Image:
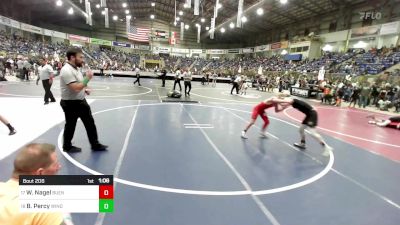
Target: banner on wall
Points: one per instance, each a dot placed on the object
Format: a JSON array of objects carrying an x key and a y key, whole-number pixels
[
  {"x": 31, "y": 28},
  {"x": 365, "y": 31},
  {"x": 216, "y": 51},
  {"x": 284, "y": 44},
  {"x": 74, "y": 37},
  {"x": 53, "y": 33},
  {"x": 300, "y": 44},
  {"x": 160, "y": 34},
  {"x": 164, "y": 50},
  {"x": 180, "y": 50},
  {"x": 121, "y": 44},
  {"x": 9, "y": 22},
  {"x": 390, "y": 28},
  {"x": 196, "y": 51},
  {"x": 233, "y": 51},
  {"x": 247, "y": 50},
  {"x": 144, "y": 47},
  {"x": 59, "y": 34},
  {"x": 261, "y": 48},
  {"x": 276, "y": 45},
  {"x": 100, "y": 42}
]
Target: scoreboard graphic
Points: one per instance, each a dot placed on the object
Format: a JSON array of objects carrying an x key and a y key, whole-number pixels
[{"x": 67, "y": 193}]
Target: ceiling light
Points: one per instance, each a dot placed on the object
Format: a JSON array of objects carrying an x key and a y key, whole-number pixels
[
  {"x": 283, "y": 1},
  {"x": 59, "y": 3},
  {"x": 175, "y": 23},
  {"x": 197, "y": 24},
  {"x": 98, "y": 6},
  {"x": 232, "y": 25},
  {"x": 177, "y": 18},
  {"x": 207, "y": 28},
  {"x": 103, "y": 12},
  {"x": 244, "y": 19},
  {"x": 180, "y": 13},
  {"x": 186, "y": 27},
  {"x": 129, "y": 17},
  {"x": 124, "y": 5},
  {"x": 222, "y": 30},
  {"x": 70, "y": 11},
  {"x": 115, "y": 17},
  {"x": 185, "y": 5},
  {"x": 153, "y": 4},
  {"x": 260, "y": 11},
  {"x": 219, "y": 6},
  {"x": 127, "y": 11},
  {"x": 203, "y": 20},
  {"x": 151, "y": 16},
  {"x": 91, "y": 13}
]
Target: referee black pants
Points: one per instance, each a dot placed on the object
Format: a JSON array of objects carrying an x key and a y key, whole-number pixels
[
  {"x": 188, "y": 84},
  {"x": 178, "y": 81},
  {"x": 48, "y": 94},
  {"x": 235, "y": 86},
  {"x": 137, "y": 80},
  {"x": 74, "y": 109}
]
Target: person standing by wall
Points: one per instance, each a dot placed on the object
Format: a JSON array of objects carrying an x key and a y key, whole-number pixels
[
  {"x": 178, "y": 79},
  {"x": 73, "y": 102},
  {"x": 163, "y": 76},
  {"x": 46, "y": 75},
  {"x": 137, "y": 73},
  {"x": 187, "y": 78},
  {"x": 364, "y": 95}
]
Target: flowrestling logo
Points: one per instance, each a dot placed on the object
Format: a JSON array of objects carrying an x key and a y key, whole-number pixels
[{"x": 370, "y": 15}]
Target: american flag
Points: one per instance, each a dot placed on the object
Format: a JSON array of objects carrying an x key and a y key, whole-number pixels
[{"x": 138, "y": 34}]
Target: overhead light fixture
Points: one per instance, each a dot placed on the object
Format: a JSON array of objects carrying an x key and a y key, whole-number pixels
[
  {"x": 151, "y": 16},
  {"x": 197, "y": 25},
  {"x": 70, "y": 11},
  {"x": 91, "y": 13},
  {"x": 177, "y": 18},
  {"x": 203, "y": 20},
  {"x": 153, "y": 4},
  {"x": 129, "y": 17},
  {"x": 232, "y": 25},
  {"x": 283, "y": 1},
  {"x": 103, "y": 12},
  {"x": 219, "y": 6},
  {"x": 185, "y": 5},
  {"x": 207, "y": 28},
  {"x": 98, "y": 6},
  {"x": 222, "y": 30},
  {"x": 260, "y": 11},
  {"x": 124, "y": 5},
  {"x": 115, "y": 17},
  {"x": 127, "y": 11},
  {"x": 244, "y": 19},
  {"x": 175, "y": 23},
  {"x": 59, "y": 3},
  {"x": 186, "y": 27},
  {"x": 180, "y": 13}
]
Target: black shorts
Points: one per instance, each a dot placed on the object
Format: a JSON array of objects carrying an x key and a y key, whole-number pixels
[
  {"x": 311, "y": 119},
  {"x": 395, "y": 119}
]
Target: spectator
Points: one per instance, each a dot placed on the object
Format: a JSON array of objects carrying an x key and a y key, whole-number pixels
[{"x": 33, "y": 159}]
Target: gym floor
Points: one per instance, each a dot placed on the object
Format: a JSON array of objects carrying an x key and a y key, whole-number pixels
[{"x": 178, "y": 163}]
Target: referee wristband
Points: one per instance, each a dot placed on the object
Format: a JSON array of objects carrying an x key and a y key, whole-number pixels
[{"x": 85, "y": 81}]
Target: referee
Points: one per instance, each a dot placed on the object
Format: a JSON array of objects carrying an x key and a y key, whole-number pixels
[
  {"x": 73, "y": 102},
  {"x": 46, "y": 75}
]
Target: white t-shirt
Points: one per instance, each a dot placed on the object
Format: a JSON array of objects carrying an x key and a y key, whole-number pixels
[
  {"x": 178, "y": 74},
  {"x": 45, "y": 72},
  {"x": 238, "y": 79}
]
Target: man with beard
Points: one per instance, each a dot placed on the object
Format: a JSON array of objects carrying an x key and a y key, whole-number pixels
[{"x": 73, "y": 102}]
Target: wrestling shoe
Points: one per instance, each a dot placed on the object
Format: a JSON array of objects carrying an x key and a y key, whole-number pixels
[
  {"x": 300, "y": 145},
  {"x": 244, "y": 136}
]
